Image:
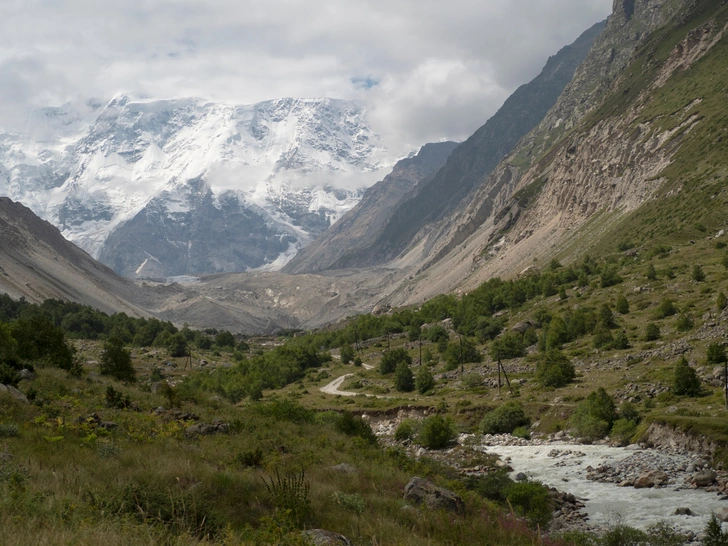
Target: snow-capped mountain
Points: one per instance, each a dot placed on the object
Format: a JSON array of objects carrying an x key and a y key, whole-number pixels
[{"x": 169, "y": 187}]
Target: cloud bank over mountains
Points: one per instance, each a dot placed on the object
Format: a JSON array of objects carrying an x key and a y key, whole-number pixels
[{"x": 426, "y": 71}]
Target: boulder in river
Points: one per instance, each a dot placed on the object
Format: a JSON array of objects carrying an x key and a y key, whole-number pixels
[
  {"x": 704, "y": 478},
  {"x": 683, "y": 511},
  {"x": 419, "y": 491}
]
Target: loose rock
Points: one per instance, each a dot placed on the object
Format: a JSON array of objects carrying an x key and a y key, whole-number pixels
[{"x": 419, "y": 491}]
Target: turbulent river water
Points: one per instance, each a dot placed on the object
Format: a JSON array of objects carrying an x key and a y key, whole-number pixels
[{"x": 607, "y": 503}]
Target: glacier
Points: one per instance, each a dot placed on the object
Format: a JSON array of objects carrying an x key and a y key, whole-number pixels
[{"x": 192, "y": 186}]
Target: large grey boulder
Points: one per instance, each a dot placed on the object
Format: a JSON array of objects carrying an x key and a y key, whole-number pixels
[
  {"x": 704, "y": 478},
  {"x": 419, "y": 491},
  {"x": 13, "y": 392},
  {"x": 321, "y": 537}
]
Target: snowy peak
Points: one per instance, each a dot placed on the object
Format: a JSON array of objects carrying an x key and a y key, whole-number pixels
[{"x": 295, "y": 165}]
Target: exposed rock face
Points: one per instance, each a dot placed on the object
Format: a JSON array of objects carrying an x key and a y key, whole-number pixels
[
  {"x": 586, "y": 157},
  {"x": 471, "y": 162},
  {"x": 358, "y": 229},
  {"x": 666, "y": 436},
  {"x": 419, "y": 491},
  {"x": 37, "y": 263}
]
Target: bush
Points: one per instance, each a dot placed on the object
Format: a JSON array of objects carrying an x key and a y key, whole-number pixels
[
  {"x": 424, "y": 380},
  {"x": 406, "y": 430},
  {"x": 436, "y": 432},
  {"x": 593, "y": 418},
  {"x": 652, "y": 332},
  {"x": 507, "y": 345},
  {"x": 721, "y": 301},
  {"x": 391, "y": 358},
  {"x": 116, "y": 361},
  {"x": 716, "y": 354},
  {"x": 177, "y": 345},
  {"x": 685, "y": 381},
  {"x": 290, "y": 494},
  {"x": 622, "y": 431},
  {"x": 354, "y": 425},
  {"x": 684, "y": 323},
  {"x": 436, "y": 333},
  {"x": 714, "y": 534},
  {"x": 621, "y": 341},
  {"x": 404, "y": 381},
  {"x": 463, "y": 350},
  {"x": 554, "y": 369},
  {"x": 650, "y": 273},
  {"x": 665, "y": 309},
  {"x": 531, "y": 500},
  {"x": 698, "y": 274},
  {"x": 602, "y": 337},
  {"x": 622, "y": 305},
  {"x": 504, "y": 419},
  {"x": 609, "y": 277},
  {"x": 347, "y": 353}
]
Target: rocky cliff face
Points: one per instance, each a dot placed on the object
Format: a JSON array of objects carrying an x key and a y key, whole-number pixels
[
  {"x": 562, "y": 199},
  {"x": 441, "y": 195},
  {"x": 355, "y": 235},
  {"x": 37, "y": 263}
]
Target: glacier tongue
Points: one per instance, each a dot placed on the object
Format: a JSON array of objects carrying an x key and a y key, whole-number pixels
[{"x": 136, "y": 182}]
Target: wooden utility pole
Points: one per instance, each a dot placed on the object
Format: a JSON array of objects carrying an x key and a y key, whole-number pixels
[
  {"x": 420, "y": 340},
  {"x": 725, "y": 387}
]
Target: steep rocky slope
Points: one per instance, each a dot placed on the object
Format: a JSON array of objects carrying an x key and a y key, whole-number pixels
[
  {"x": 646, "y": 152},
  {"x": 357, "y": 231},
  {"x": 37, "y": 263},
  {"x": 470, "y": 163}
]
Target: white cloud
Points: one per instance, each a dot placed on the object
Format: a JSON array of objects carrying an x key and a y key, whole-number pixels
[{"x": 443, "y": 67}]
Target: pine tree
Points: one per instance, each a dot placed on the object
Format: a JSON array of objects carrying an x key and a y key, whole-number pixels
[{"x": 116, "y": 361}]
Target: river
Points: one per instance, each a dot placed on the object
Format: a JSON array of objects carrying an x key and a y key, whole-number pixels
[{"x": 563, "y": 466}]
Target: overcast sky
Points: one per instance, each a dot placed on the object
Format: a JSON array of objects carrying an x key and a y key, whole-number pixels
[{"x": 427, "y": 70}]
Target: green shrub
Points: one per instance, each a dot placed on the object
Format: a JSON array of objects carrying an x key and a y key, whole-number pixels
[
  {"x": 290, "y": 494},
  {"x": 504, "y": 419},
  {"x": 391, "y": 358},
  {"x": 622, "y": 305},
  {"x": 652, "y": 332},
  {"x": 554, "y": 369},
  {"x": 531, "y": 500},
  {"x": 714, "y": 534},
  {"x": 116, "y": 361},
  {"x": 593, "y": 417},
  {"x": 521, "y": 432},
  {"x": 650, "y": 273},
  {"x": 665, "y": 309},
  {"x": 424, "y": 380},
  {"x": 721, "y": 301},
  {"x": 684, "y": 323},
  {"x": 698, "y": 274},
  {"x": 406, "y": 430},
  {"x": 436, "y": 432},
  {"x": 622, "y": 431},
  {"x": 602, "y": 338},
  {"x": 609, "y": 277},
  {"x": 177, "y": 345},
  {"x": 685, "y": 382},
  {"x": 116, "y": 399},
  {"x": 9, "y": 430},
  {"x": 354, "y": 425},
  {"x": 404, "y": 381},
  {"x": 716, "y": 354},
  {"x": 621, "y": 341},
  {"x": 347, "y": 353},
  {"x": 508, "y": 345}
]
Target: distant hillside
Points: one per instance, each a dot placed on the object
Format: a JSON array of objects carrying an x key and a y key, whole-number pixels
[
  {"x": 37, "y": 263},
  {"x": 472, "y": 161},
  {"x": 359, "y": 228}
]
